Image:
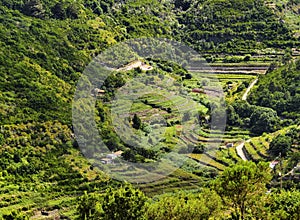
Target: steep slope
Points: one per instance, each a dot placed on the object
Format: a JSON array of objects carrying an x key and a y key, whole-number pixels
[
  {"x": 288, "y": 11},
  {"x": 280, "y": 90},
  {"x": 233, "y": 26},
  {"x": 45, "y": 46},
  {"x": 40, "y": 63}
]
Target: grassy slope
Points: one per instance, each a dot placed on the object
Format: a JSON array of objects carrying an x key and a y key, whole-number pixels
[{"x": 41, "y": 61}]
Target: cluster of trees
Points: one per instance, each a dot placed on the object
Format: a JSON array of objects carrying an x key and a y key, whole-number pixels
[
  {"x": 258, "y": 119},
  {"x": 151, "y": 18},
  {"x": 279, "y": 90},
  {"x": 282, "y": 143},
  {"x": 47, "y": 44},
  {"x": 52, "y": 52},
  {"x": 45, "y": 9},
  {"x": 124, "y": 203},
  {"x": 226, "y": 27},
  {"x": 34, "y": 165},
  {"x": 238, "y": 193},
  {"x": 25, "y": 147},
  {"x": 41, "y": 63},
  {"x": 233, "y": 26}
]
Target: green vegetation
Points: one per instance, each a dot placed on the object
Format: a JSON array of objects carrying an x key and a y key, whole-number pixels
[
  {"x": 278, "y": 204},
  {"x": 280, "y": 145},
  {"x": 234, "y": 26},
  {"x": 279, "y": 90},
  {"x": 256, "y": 118},
  {"x": 46, "y": 45},
  {"x": 203, "y": 205},
  {"x": 288, "y": 10},
  {"x": 123, "y": 203},
  {"x": 241, "y": 184},
  {"x": 238, "y": 193}
]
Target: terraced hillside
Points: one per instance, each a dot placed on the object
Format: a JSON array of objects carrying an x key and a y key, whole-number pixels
[
  {"x": 288, "y": 10},
  {"x": 235, "y": 78},
  {"x": 257, "y": 148},
  {"x": 40, "y": 169},
  {"x": 156, "y": 107},
  {"x": 233, "y": 26},
  {"x": 46, "y": 46}
]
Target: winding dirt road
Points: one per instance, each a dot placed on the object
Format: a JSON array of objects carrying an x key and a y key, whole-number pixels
[
  {"x": 248, "y": 89},
  {"x": 240, "y": 152}
]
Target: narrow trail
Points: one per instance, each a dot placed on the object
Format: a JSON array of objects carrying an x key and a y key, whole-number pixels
[
  {"x": 248, "y": 89},
  {"x": 240, "y": 152},
  {"x": 136, "y": 64}
]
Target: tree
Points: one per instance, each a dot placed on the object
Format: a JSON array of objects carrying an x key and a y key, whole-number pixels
[
  {"x": 199, "y": 148},
  {"x": 34, "y": 8},
  {"x": 146, "y": 128},
  {"x": 280, "y": 145},
  {"x": 184, "y": 5},
  {"x": 88, "y": 207},
  {"x": 218, "y": 115},
  {"x": 243, "y": 108},
  {"x": 113, "y": 81},
  {"x": 232, "y": 116},
  {"x": 287, "y": 57},
  {"x": 297, "y": 64},
  {"x": 73, "y": 11},
  {"x": 272, "y": 67},
  {"x": 137, "y": 123},
  {"x": 129, "y": 155},
  {"x": 263, "y": 120},
  {"x": 242, "y": 184},
  {"x": 188, "y": 76},
  {"x": 124, "y": 203},
  {"x": 284, "y": 205},
  {"x": 59, "y": 11},
  {"x": 187, "y": 206},
  {"x": 247, "y": 57},
  {"x": 241, "y": 88}
]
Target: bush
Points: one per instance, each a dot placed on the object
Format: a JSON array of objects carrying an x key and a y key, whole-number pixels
[
  {"x": 247, "y": 57},
  {"x": 280, "y": 145},
  {"x": 188, "y": 206},
  {"x": 124, "y": 203}
]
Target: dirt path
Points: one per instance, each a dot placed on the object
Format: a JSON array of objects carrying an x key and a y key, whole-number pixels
[
  {"x": 248, "y": 89},
  {"x": 136, "y": 64},
  {"x": 46, "y": 215},
  {"x": 240, "y": 152}
]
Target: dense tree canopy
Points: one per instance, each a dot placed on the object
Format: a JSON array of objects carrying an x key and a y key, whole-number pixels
[
  {"x": 117, "y": 203},
  {"x": 280, "y": 145},
  {"x": 279, "y": 90},
  {"x": 284, "y": 205},
  {"x": 45, "y": 47},
  {"x": 203, "y": 205},
  {"x": 243, "y": 184}
]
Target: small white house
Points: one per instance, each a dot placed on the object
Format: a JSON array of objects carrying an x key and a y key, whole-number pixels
[
  {"x": 111, "y": 156},
  {"x": 109, "y": 159}
]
